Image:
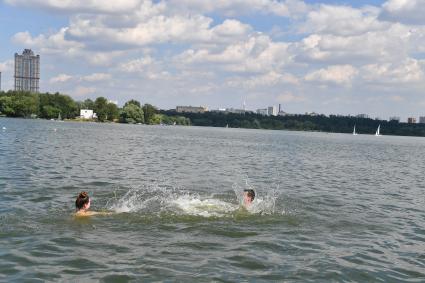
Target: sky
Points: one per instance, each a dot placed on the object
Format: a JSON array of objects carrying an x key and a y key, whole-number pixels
[{"x": 329, "y": 57}]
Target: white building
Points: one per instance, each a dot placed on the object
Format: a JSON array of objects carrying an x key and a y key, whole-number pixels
[
  {"x": 87, "y": 114},
  {"x": 271, "y": 111}
]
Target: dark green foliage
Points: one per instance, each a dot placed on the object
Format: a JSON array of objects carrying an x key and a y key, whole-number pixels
[
  {"x": 149, "y": 112},
  {"x": 322, "y": 123},
  {"x": 101, "y": 108},
  {"x": 131, "y": 114}
]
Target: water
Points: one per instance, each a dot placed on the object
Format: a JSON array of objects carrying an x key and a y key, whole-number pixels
[{"x": 329, "y": 207}]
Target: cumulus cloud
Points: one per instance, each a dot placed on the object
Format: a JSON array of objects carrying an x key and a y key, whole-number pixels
[
  {"x": 408, "y": 71},
  {"x": 118, "y": 6},
  {"x": 82, "y": 91},
  {"x": 342, "y": 20},
  {"x": 404, "y": 11},
  {"x": 339, "y": 74},
  {"x": 48, "y": 44},
  {"x": 61, "y": 78},
  {"x": 256, "y": 54},
  {"x": 6, "y": 66},
  {"x": 289, "y": 97},
  {"x": 96, "y": 77},
  {"x": 234, "y": 7}
]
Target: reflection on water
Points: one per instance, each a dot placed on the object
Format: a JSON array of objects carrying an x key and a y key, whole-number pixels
[{"x": 328, "y": 207}]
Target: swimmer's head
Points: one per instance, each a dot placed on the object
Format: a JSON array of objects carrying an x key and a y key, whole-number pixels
[
  {"x": 248, "y": 196},
  {"x": 82, "y": 202}
]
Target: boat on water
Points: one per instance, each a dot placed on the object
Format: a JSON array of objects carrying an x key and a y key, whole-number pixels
[
  {"x": 378, "y": 131},
  {"x": 354, "y": 131}
]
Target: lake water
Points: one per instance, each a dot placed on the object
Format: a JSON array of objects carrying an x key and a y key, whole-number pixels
[{"x": 329, "y": 207}]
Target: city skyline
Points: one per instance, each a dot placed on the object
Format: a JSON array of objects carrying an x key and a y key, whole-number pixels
[{"x": 330, "y": 57}]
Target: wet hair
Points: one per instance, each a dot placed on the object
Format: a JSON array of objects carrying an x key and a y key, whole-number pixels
[
  {"x": 250, "y": 193},
  {"x": 82, "y": 199}
]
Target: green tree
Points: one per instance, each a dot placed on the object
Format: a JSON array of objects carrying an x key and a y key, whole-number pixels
[
  {"x": 6, "y": 106},
  {"x": 101, "y": 108},
  {"x": 133, "y": 101},
  {"x": 131, "y": 114},
  {"x": 112, "y": 111},
  {"x": 149, "y": 113}
]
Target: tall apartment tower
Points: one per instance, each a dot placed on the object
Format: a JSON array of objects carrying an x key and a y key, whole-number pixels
[{"x": 27, "y": 71}]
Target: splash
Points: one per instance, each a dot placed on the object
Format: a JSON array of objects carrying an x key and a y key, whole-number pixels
[{"x": 156, "y": 200}]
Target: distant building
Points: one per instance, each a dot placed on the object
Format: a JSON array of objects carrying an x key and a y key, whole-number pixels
[
  {"x": 0, "y": 81},
  {"x": 411, "y": 120},
  {"x": 395, "y": 119},
  {"x": 422, "y": 119},
  {"x": 27, "y": 71},
  {"x": 272, "y": 111},
  {"x": 262, "y": 111},
  {"x": 87, "y": 114},
  {"x": 281, "y": 112},
  {"x": 191, "y": 109},
  {"x": 362, "y": 116}
]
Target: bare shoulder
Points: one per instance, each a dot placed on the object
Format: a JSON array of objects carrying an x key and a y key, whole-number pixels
[{"x": 91, "y": 213}]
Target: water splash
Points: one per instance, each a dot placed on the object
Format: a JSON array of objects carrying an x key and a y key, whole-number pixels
[{"x": 155, "y": 200}]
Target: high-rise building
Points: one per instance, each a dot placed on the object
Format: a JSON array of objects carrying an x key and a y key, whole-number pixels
[
  {"x": 27, "y": 71},
  {"x": 0, "y": 81},
  {"x": 411, "y": 120},
  {"x": 422, "y": 119}
]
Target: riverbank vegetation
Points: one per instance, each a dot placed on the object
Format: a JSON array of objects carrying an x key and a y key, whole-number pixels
[{"x": 59, "y": 106}]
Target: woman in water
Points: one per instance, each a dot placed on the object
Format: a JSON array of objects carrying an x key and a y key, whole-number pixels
[{"x": 82, "y": 205}]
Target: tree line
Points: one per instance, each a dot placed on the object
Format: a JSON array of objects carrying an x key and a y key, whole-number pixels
[
  {"x": 56, "y": 105},
  {"x": 320, "y": 123},
  {"x": 51, "y": 106}
]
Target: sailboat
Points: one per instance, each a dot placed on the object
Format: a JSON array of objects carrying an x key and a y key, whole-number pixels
[
  {"x": 378, "y": 130},
  {"x": 354, "y": 131}
]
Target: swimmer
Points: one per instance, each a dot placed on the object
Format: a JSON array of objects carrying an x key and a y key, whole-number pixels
[
  {"x": 82, "y": 205},
  {"x": 248, "y": 197}
]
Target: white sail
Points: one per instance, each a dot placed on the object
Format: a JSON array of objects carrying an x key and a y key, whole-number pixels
[
  {"x": 354, "y": 131},
  {"x": 378, "y": 131}
]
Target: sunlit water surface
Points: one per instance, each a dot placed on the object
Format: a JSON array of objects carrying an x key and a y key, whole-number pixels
[{"x": 329, "y": 207}]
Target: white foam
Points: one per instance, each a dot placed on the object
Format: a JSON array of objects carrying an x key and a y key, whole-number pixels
[{"x": 203, "y": 207}]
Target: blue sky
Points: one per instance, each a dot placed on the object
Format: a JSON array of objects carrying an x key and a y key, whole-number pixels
[{"x": 331, "y": 57}]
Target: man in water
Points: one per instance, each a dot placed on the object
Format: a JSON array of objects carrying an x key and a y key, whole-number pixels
[{"x": 248, "y": 197}]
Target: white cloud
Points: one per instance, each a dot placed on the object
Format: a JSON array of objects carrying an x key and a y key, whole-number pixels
[
  {"x": 61, "y": 78},
  {"x": 342, "y": 20},
  {"x": 289, "y": 97},
  {"x": 236, "y": 7},
  {"x": 6, "y": 66},
  {"x": 256, "y": 54},
  {"x": 96, "y": 77},
  {"x": 338, "y": 74},
  {"x": 83, "y": 91},
  {"x": 409, "y": 71},
  {"x": 405, "y": 11},
  {"x": 49, "y": 44},
  {"x": 118, "y": 6},
  {"x": 392, "y": 44},
  {"x": 269, "y": 79}
]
